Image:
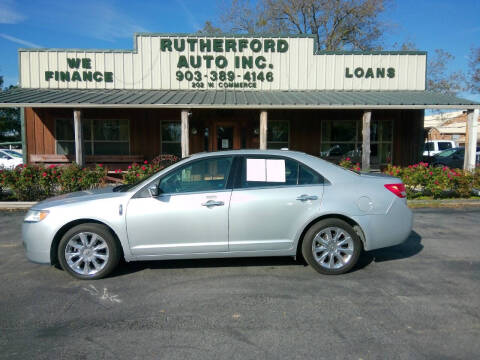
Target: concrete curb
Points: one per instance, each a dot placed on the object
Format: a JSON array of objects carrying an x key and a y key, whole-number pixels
[
  {"x": 443, "y": 203},
  {"x": 16, "y": 205}
]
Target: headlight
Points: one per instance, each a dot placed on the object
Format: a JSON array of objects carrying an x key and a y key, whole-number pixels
[{"x": 35, "y": 215}]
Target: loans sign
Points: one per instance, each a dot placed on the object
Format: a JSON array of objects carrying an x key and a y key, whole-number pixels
[{"x": 171, "y": 62}]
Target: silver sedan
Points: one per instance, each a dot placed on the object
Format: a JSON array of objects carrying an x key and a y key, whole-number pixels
[{"x": 226, "y": 204}]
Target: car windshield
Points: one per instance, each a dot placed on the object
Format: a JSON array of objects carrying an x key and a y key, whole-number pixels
[
  {"x": 447, "y": 153},
  {"x": 126, "y": 187}
]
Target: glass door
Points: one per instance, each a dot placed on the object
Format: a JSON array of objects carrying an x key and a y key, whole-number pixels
[{"x": 227, "y": 137}]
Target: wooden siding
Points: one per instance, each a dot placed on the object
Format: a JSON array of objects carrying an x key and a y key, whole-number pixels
[{"x": 305, "y": 128}]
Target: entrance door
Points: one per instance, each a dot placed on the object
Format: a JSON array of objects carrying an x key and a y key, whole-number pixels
[{"x": 226, "y": 136}]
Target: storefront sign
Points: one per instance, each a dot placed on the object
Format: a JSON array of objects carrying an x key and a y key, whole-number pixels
[
  {"x": 73, "y": 74},
  {"x": 171, "y": 62}
]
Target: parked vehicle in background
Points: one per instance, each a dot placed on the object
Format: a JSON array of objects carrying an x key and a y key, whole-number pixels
[
  {"x": 433, "y": 147},
  {"x": 9, "y": 159},
  {"x": 240, "y": 203},
  {"x": 453, "y": 158}
]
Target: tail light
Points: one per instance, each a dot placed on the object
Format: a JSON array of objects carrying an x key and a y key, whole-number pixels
[{"x": 397, "y": 189}]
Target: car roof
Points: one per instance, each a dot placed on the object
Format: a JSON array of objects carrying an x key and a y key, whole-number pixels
[{"x": 301, "y": 156}]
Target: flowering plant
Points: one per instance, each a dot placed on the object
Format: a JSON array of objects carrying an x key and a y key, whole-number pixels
[
  {"x": 424, "y": 179},
  {"x": 137, "y": 172},
  {"x": 33, "y": 182},
  {"x": 348, "y": 164}
]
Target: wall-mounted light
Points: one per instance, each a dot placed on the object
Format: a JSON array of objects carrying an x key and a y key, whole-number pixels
[{"x": 194, "y": 131}]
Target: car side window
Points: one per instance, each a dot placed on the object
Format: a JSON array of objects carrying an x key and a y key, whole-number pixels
[
  {"x": 429, "y": 146},
  {"x": 444, "y": 145},
  {"x": 4, "y": 156},
  {"x": 307, "y": 176},
  {"x": 264, "y": 172},
  {"x": 203, "y": 175}
]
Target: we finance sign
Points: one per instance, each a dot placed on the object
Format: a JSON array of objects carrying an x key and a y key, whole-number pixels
[{"x": 243, "y": 62}]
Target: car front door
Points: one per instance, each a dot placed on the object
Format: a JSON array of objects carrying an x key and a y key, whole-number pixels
[
  {"x": 271, "y": 202},
  {"x": 189, "y": 215}
]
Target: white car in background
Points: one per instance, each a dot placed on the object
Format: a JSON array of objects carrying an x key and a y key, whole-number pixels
[
  {"x": 9, "y": 159},
  {"x": 433, "y": 147}
]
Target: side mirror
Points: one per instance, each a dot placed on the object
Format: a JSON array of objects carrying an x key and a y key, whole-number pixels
[{"x": 153, "y": 191}]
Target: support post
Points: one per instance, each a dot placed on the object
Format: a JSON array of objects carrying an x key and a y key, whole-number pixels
[
  {"x": 24, "y": 135},
  {"x": 367, "y": 115},
  {"x": 263, "y": 129},
  {"x": 184, "y": 134},
  {"x": 471, "y": 140},
  {"x": 77, "y": 128}
]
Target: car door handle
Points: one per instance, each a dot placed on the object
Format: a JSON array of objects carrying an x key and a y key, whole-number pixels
[
  {"x": 213, "y": 203},
  {"x": 306, "y": 197}
]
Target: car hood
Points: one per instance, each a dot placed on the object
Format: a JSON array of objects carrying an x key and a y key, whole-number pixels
[{"x": 79, "y": 196}]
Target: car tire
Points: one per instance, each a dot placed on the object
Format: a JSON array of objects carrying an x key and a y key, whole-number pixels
[
  {"x": 88, "y": 251},
  {"x": 331, "y": 247}
]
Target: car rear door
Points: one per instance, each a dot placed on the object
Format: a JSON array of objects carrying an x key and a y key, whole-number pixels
[
  {"x": 270, "y": 203},
  {"x": 189, "y": 216}
]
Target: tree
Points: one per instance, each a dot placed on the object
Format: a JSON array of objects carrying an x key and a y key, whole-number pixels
[
  {"x": 473, "y": 83},
  {"x": 441, "y": 80},
  {"x": 339, "y": 24},
  {"x": 209, "y": 29},
  {"x": 9, "y": 121}
]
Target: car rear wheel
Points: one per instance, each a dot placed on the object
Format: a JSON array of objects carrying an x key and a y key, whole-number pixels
[
  {"x": 88, "y": 251},
  {"x": 331, "y": 247}
]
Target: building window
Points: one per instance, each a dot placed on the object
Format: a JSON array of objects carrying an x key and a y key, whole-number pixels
[
  {"x": 278, "y": 134},
  {"x": 65, "y": 136},
  {"x": 100, "y": 136},
  {"x": 381, "y": 133},
  {"x": 343, "y": 138},
  {"x": 171, "y": 138}
]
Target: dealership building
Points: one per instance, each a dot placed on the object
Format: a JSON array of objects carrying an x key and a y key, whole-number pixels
[{"x": 182, "y": 94}]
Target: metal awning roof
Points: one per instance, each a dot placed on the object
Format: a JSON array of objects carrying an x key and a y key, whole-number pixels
[{"x": 230, "y": 99}]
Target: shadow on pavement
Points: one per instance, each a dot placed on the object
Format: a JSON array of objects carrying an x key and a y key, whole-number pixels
[
  {"x": 132, "y": 267},
  {"x": 411, "y": 247}
]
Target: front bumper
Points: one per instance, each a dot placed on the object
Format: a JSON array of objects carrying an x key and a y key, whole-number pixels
[{"x": 37, "y": 241}]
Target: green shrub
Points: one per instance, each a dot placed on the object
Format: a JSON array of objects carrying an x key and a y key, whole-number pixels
[
  {"x": 30, "y": 183},
  {"x": 73, "y": 178},
  {"x": 348, "y": 164},
  {"x": 34, "y": 183},
  {"x": 137, "y": 172},
  {"x": 423, "y": 179}
]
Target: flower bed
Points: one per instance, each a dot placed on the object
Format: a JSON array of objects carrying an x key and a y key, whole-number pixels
[
  {"x": 423, "y": 179},
  {"x": 137, "y": 172},
  {"x": 35, "y": 182}
]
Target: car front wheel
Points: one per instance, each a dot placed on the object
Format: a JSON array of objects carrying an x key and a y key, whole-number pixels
[
  {"x": 88, "y": 251},
  {"x": 331, "y": 247}
]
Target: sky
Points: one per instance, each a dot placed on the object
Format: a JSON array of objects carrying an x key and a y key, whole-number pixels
[{"x": 452, "y": 25}]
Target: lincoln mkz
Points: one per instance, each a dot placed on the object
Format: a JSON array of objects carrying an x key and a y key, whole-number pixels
[{"x": 242, "y": 203}]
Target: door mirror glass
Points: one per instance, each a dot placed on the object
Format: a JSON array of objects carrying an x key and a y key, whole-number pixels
[{"x": 153, "y": 191}]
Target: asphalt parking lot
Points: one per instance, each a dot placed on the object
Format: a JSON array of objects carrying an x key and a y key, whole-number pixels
[{"x": 418, "y": 300}]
